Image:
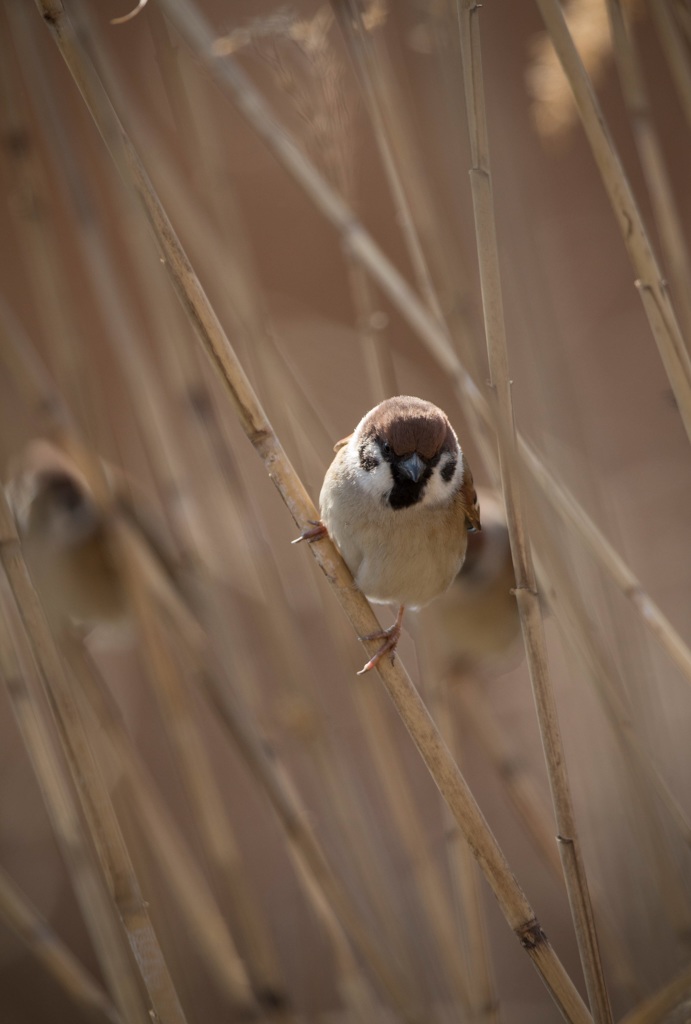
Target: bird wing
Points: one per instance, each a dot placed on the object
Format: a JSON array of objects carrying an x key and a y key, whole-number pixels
[{"x": 470, "y": 502}]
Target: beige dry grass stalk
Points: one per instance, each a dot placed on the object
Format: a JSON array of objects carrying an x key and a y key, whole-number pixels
[
  {"x": 290, "y": 663},
  {"x": 355, "y": 237},
  {"x": 530, "y": 807},
  {"x": 526, "y": 583},
  {"x": 658, "y": 1007},
  {"x": 192, "y": 893},
  {"x": 482, "y": 997},
  {"x": 675, "y": 49},
  {"x": 406, "y": 699},
  {"x": 17, "y": 912},
  {"x": 95, "y": 799},
  {"x": 91, "y": 886},
  {"x": 650, "y": 281},
  {"x": 667, "y": 219}
]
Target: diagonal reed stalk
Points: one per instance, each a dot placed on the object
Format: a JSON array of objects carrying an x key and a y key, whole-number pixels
[
  {"x": 291, "y": 663},
  {"x": 528, "y": 803},
  {"x": 95, "y": 799},
  {"x": 436, "y": 756},
  {"x": 174, "y": 855},
  {"x": 667, "y": 218},
  {"x": 650, "y": 281},
  {"x": 91, "y": 885},
  {"x": 676, "y": 51},
  {"x": 526, "y": 583},
  {"x": 354, "y": 237},
  {"x": 656, "y": 1009},
  {"x": 51, "y": 953},
  {"x": 483, "y": 1000}
]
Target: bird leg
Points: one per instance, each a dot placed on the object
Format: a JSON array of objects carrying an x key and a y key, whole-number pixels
[
  {"x": 316, "y": 533},
  {"x": 390, "y": 636}
]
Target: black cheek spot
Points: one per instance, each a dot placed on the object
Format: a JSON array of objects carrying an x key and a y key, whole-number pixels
[
  {"x": 448, "y": 471},
  {"x": 367, "y": 460}
]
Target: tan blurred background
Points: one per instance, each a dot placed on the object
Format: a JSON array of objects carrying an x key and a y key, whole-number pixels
[{"x": 82, "y": 281}]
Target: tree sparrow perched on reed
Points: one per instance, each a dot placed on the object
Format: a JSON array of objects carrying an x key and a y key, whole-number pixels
[{"x": 398, "y": 501}]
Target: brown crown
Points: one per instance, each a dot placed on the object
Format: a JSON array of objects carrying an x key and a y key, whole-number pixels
[{"x": 411, "y": 425}]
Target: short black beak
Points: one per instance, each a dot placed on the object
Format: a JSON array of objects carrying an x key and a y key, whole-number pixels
[{"x": 413, "y": 467}]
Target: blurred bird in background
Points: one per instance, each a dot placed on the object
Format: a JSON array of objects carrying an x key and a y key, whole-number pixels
[
  {"x": 76, "y": 542},
  {"x": 476, "y": 621}
]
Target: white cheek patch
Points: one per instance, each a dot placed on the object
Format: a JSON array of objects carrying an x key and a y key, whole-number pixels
[
  {"x": 437, "y": 490},
  {"x": 376, "y": 482}
]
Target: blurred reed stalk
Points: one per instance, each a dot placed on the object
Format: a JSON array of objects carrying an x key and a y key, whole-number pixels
[
  {"x": 99, "y": 813},
  {"x": 266, "y": 123},
  {"x": 562, "y": 499},
  {"x": 657, "y": 1008},
  {"x": 289, "y": 657},
  {"x": 531, "y": 809},
  {"x": 158, "y": 430},
  {"x": 92, "y": 881},
  {"x": 668, "y": 222},
  {"x": 650, "y": 282},
  {"x": 665, "y": 14},
  {"x": 407, "y": 701},
  {"x": 39, "y": 245},
  {"x": 527, "y": 596},
  {"x": 483, "y": 1000},
  {"x": 433, "y": 256},
  {"x": 17, "y": 913},
  {"x": 174, "y": 856}
]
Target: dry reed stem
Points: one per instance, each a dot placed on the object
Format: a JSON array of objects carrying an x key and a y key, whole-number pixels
[
  {"x": 354, "y": 987},
  {"x": 359, "y": 242},
  {"x": 445, "y": 772},
  {"x": 96, "y": 804},
  {"x": 197, "y": 903},
  {"x": 675, "y": 50},
  {"x": 526, "y": 584},
  {"x": 377, "y": 959},
  {"x": 481, "y": 992},
  {"x": 305, "y": 847},
  {"x": 576, "y": 626},
  {"x": 90, "y": 885},
  {"x": 655, "y": 1008},
  {"x": 17, "y": 912},
  {"x": 529, "y": 805},
  {"x": 663, "y": 323},
  {"x": 28, "y": 373},
  {"x": 180, "y": 719},
  {"x": 289, "y": 656},
  {"x": 290, "y": 664},
  {"x": 425, "y": 233},
  {"x": 477, "y": 711},
  {"x": 633, "y": 86},
  {"x": 430, "y": 891},
  {"x": 370, "y": 323},
  {"x": 561, "y": 499},
  {"x": 39, "y": 244},
  {"x": 407, "y": 701},
  {"x": 350, "y": 19}
]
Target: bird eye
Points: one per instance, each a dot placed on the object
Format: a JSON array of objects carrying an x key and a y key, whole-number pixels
[{"x": 385, "y": 448}]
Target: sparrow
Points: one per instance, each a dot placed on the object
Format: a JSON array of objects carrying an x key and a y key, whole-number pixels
[
  {"x": 64, "y": 537},
  {"x": 398, "y": 501},
  {"x": 68, "y": 539}
]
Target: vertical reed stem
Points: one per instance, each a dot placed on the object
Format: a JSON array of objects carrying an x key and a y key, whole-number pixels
[{"x": 526, "y": 584}]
